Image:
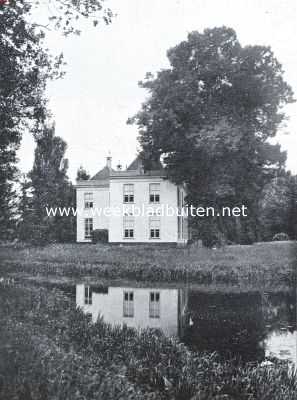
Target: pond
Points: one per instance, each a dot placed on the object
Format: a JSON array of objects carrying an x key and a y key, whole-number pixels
[{"x": 248, "y": 326}]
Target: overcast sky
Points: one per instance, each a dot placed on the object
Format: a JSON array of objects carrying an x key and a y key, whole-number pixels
[{"x": 92, "y": 102}]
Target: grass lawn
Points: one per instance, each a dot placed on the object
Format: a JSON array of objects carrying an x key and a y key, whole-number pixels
[{"x": 264, "y": 265}]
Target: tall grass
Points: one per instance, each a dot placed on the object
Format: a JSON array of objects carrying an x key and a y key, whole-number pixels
[
  {"x": 265, "y": 266},
  {"x": 51, "y": 351},
  {"x": 267, "y": 254}
]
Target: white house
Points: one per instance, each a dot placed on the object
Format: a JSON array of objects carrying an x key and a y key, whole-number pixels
[
  {"x": 140, "y": 308},
  {"x": 134, "y": 205}
]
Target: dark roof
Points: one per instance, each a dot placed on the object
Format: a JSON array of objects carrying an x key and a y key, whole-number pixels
[
  {"x": 138, "y": 164},
  {"x": 103, "y": 174}
]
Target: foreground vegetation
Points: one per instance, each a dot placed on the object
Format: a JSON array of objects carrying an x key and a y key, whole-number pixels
[
  {"x": 50, "y": 350},
  {"x": 260, "y": 266}
]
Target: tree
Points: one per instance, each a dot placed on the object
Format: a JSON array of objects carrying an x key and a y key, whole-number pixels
[
  {"x": 292, "y": 217},
  {"x": 25, "y": 68},
  {"x": 275, "y": 207},
  {"x": 8, "y": 198},
  {"x": 210, "y": 116},
  {"x": 66, "y": 15},
  {"x": 24, "y": 209},
  {"x": 82, "y": 174},
  {"x": 50, "y": 188},
  {"x": 62, "y": 15}
]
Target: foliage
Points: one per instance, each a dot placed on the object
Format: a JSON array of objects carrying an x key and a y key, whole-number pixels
[
  {"x": 292, "y": 215},
  {"x": 82, "y": 174},
  {"x": 210, "y": 116},
  {"x": 49, "y": 187},
  {"x": 24, "y": 209},
  {"x": 44, "y": 356},
  {"x": 25, "y": 68},
  {"x": 62, "y": 15},
  {"x": 51, "y": 350},
  {"x": 278, "y": 207},
  {"x": 212, "y": 237},
  {"x": 100, "y": 236},
  {"x": 66, "y": 15},
  {"x": 280, "y": 236}
]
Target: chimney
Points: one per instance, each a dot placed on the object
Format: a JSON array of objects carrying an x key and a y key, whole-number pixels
[{"x": 108, "y": 162}]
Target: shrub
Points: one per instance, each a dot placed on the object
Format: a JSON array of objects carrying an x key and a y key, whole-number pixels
[
  {"x": 280, "y": 236},
  {"x": 100, "y": 236},
  {"x": 39, "y": 235},
  {"x": 208, "y": 233}
]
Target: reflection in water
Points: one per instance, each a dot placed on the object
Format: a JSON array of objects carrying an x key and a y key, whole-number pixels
[
  {"x": 231, "y": 324},
  {"x": 280, "y": 319},
  {"x": 280, "y": 311},
  {"x": 250, "y": 326},
  {"x": 157, "y": 308},
  {"x": 281, "y": 345}
]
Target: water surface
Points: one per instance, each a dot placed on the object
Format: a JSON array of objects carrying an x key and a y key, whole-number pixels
[{"x": 248, "y": 326}]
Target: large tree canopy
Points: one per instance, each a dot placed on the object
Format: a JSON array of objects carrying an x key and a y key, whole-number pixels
[{"x": 210, "y": 115}]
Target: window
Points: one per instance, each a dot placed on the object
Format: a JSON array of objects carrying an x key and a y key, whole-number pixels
[
  {"x": 128, "y": 304},
  {"x": 154, "y": 307},
  {"x": 88, "y": 295},
  {"x": 89, "y": 200},
  {"x": 154, "y": 192},
  {"x": 88, "y": 228},
  {"x": 155, "y": 227},
  {"x": 128, "y": 227},
  {"x": 129, "y": 193}
]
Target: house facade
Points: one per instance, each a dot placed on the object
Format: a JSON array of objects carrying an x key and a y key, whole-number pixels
[{"x": 134, "y": 205}]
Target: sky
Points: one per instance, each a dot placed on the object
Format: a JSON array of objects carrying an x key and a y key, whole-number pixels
[{"x": 100, "y": 91}]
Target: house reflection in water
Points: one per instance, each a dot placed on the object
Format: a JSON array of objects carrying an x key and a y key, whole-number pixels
[
  {"x": 139, "y": 308},
  {"x": 249, "y": 326}
]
